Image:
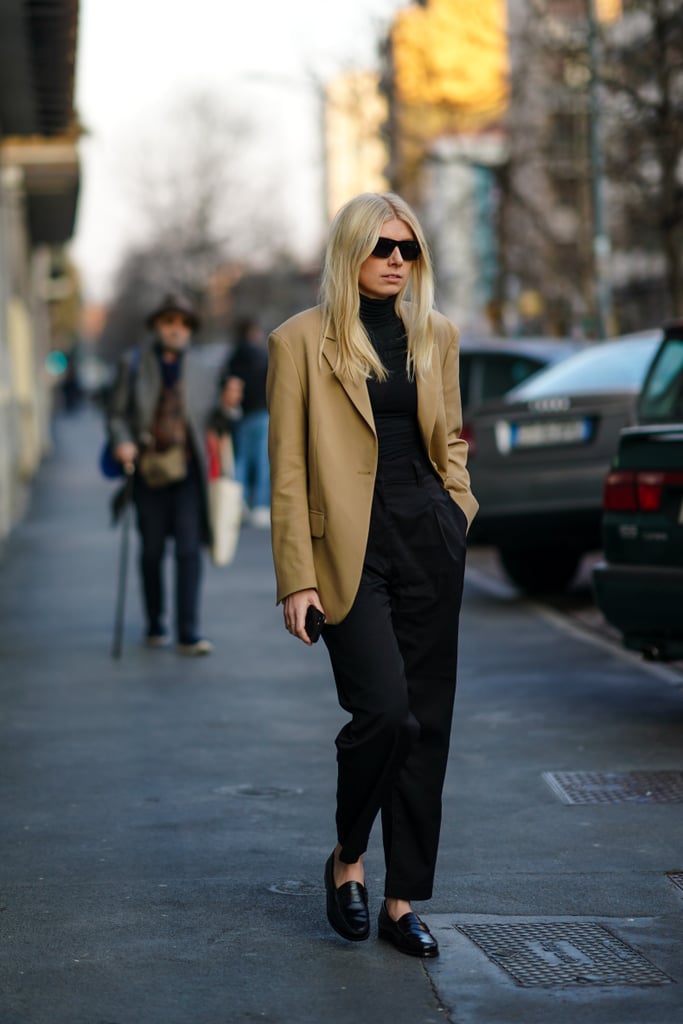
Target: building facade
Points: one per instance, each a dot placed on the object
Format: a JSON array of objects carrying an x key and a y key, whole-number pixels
[
  {"x": 446, "y": 78},
  {"x": 39, "y": 183},
  {"x": 542, "y": 142}
]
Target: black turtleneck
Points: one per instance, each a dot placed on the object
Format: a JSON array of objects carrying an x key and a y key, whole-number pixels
[{"x": 394, "y": 401}]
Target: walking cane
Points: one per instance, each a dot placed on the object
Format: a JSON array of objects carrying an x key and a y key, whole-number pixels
[{"x": 124, "y": 503}]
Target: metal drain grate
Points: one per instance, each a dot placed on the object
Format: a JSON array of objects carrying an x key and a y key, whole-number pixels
[
  {"x": 616, "y": 788},
  {"x": 676, "y": 877},
  {"x": 538, "y": 954}
]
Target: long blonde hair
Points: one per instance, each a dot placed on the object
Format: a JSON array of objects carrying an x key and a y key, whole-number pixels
[{"x": 353, "y": 236}]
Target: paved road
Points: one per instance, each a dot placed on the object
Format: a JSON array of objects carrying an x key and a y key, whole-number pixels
[
  {"x": 166, "y": 822},
  {"x": 573, "y": 607}
]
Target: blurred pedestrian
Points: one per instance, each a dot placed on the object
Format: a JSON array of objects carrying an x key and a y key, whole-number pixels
[
  {"x": 72, "y": 389},
  {"x": 370, "y": 507},
  {"x": 159, "y": 413},
  {"x": 249, "y": 362},
  {"x": 221, "y": 426}
]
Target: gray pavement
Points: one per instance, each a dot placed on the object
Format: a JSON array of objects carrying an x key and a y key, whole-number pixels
[{"x": 166, "y": 821}]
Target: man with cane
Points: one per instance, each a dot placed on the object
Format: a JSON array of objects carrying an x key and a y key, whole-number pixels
[{"x": 161, "y": 405}]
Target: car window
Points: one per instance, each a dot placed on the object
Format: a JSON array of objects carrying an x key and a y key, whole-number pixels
[
  {"x": 505, "y": 372},
  {"x": 662, "y": 397},
  {"x": 609, "y": 366}
]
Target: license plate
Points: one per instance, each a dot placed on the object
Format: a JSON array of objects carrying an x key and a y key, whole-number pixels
[{"x": 543, "y": 433}]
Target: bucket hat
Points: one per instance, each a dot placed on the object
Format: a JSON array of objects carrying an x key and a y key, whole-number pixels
[{"x": 174, "y": 302}]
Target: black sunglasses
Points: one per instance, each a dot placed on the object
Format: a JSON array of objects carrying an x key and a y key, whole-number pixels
[{"x": 409, "y": 249}]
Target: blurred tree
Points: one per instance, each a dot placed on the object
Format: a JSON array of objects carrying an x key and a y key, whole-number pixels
[
  {"x": 141, "y": 279},
  {"x": 195, "y": 195},
  {"x": 546, "y": 212},
  {"x": 544, "y": 220},
  {"x": 642, "y": 75},
  {"x": 199, "y": 203}
]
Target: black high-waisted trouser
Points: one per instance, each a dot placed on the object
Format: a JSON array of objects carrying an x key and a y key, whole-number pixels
[{"x": 394, "y": 661}]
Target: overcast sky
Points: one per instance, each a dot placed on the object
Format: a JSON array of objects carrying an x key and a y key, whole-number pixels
[{"x": 136, "y": 57}]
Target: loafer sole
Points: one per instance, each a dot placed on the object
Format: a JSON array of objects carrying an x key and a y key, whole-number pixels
[{"x": 423, "y": 954}]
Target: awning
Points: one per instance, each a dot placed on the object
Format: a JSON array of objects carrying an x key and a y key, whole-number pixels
[
  {"x": 37, "y": 60},
  {"x": 50, "y": 174},
  {"x": 38, "y": 125}
]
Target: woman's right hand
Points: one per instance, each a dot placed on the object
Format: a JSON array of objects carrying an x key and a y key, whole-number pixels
[{"x": 294, "y": 610}]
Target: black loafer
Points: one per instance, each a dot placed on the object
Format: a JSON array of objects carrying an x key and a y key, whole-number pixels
[
  {"x": 409, "y": 934},
  {"x": 347, "y": 906}
]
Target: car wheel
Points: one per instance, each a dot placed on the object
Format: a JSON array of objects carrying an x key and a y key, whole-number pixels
[{"x": 544, "y": 570}]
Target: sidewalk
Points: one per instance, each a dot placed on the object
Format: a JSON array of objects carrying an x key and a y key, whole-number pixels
[{"x": 166, "y": 820}]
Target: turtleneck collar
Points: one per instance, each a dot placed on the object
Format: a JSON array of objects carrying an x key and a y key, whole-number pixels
[{"x": 378, "y": 312}]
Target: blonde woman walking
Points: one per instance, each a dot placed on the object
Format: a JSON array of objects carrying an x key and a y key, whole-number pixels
[{"x": 371, "y": 503}]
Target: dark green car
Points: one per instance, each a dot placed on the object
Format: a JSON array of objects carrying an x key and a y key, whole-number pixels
[{"x": 639, "y": 586}]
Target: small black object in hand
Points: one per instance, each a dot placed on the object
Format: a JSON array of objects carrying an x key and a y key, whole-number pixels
[{"x": 315, "y": 620}]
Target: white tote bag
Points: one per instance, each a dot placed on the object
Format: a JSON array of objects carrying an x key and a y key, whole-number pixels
[
  {"x": 225, "y": 514},
  {"x": 225, "y": 504}
]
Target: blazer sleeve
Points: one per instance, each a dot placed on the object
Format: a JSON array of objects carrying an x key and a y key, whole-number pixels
[
  {"x": 458, "y": 479},
  {"x": 288, "y": 454}
]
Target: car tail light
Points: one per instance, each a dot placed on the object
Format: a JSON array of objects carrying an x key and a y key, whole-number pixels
[
  {"x": 649, "y": 487},
  {"x": 627, "y": 491},
  {"x": 619, "y": 494},
  {"x": 467, "y": 434}
]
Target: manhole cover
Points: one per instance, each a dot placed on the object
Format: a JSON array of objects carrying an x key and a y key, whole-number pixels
[
  {"x": 616, "y": 788},
  {"x": 270, "y": 792},
  {"x": 676, "y": 877},
  {"x": 295, "y": 888},
  {"x": 556, "y": 953}
]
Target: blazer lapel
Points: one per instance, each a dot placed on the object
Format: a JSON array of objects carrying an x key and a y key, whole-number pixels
[
  {"x": 358, "y": 393},
  {"x": 428, "y": 403}
]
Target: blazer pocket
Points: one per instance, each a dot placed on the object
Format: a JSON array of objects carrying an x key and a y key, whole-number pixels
[{"x": 317, "y": 523}]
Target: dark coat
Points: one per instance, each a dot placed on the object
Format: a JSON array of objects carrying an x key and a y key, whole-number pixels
[
  {"x": 249, "y": 362},
  {"x": 135, "y": 396}
]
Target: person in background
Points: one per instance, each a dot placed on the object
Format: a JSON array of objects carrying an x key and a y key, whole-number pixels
[
  {"x": 371, "y": 503},
  {"x": 249, "y": 362},
  {"x": 72, "y": 389},
  {"x": 222, "y": 423},
  {"x": 159, "y": 412}
]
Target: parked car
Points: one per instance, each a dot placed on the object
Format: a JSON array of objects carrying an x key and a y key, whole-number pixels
[
  {"x": 540, "y": 453},
  {"x": 490, "y": 366},
  {"x": 639, "y": 585}
]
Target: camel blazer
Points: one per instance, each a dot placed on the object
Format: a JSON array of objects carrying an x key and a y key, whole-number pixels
[{"x": 323, "y": 456}]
